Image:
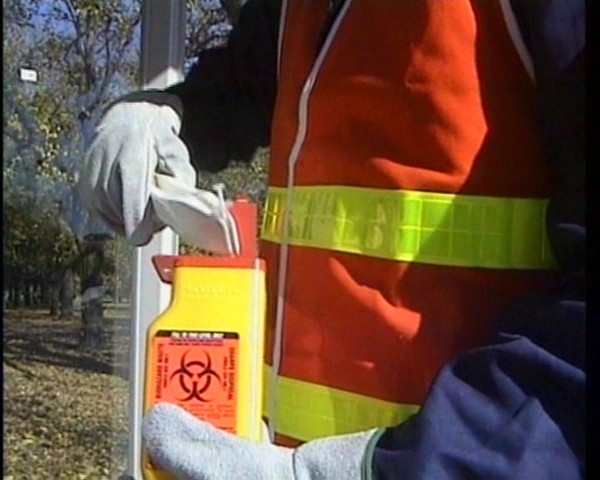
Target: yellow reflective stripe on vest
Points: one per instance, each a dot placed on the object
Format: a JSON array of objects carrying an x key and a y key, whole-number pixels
[
  {"x": 411, "y": 226},
  {"x": 306, "y": 411}
]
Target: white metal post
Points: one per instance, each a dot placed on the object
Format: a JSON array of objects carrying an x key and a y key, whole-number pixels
[{"x": 161, "y": 64}]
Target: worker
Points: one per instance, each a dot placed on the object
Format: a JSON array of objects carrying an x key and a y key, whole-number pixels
[{"x": 423, "y": 231}]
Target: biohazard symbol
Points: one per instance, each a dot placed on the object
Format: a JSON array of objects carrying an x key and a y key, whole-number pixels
[{"x": 195, "y": 377}]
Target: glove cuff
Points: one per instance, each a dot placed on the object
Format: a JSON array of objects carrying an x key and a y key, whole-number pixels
[
  {"x": 346, "y": 456},
  {"x": 160, "y": 98}
]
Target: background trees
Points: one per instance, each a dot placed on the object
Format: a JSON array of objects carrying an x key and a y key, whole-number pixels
[{"x": 86, "y": 54}]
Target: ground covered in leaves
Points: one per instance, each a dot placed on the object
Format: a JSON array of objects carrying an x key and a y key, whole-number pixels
[{"x": 65, "y": 407}]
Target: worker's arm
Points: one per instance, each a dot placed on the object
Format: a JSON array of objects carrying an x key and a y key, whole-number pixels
[
  {"x": 511, "y": 410},
  {"x": 554, "y": 33},
  {"x": 516, "y": 408},
  {"x": 228, "y": 96},
  {"x": 138, "y": 173}
]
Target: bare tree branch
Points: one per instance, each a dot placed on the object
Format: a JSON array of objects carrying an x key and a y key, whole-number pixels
[{"x": 81, "y": 44}]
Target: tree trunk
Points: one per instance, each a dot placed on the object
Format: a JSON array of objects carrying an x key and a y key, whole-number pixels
[
  {"x": 45, "y": 293},
  {"x": 37, "y": 297},
  {"x": 54, "y": 297},
  {"x": 92, "y": 285},
  {"x": 27, "y": 292},
  {"x": 12, "y": 296},
  {"x": 92, "y": 315},
  {"x": 67, "y": 293},
  {"x": 20, "y": 295}
]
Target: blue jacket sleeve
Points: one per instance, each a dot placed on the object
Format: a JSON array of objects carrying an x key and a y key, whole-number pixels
[
  {"x": 512, "y": 410},
  {"x": 554, "y": 32},
  {"x": 515, "y": 409}
]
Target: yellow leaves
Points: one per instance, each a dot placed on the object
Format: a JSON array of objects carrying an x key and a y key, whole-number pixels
[
  {"x": 36, "y": 239},
  {"x": 28, "y": 439},
  {"x": 54, "y": 120},
  {"x": 14, "y": 126}
]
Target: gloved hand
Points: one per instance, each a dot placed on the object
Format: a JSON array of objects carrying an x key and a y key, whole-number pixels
[
  {"x": 194, "y": 450},
  {"x": 138, "y": 178}
]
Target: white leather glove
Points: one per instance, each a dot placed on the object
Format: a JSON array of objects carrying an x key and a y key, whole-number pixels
[
  {"x": 194, "y": 450},
  {"x": 138, "y": 178}
]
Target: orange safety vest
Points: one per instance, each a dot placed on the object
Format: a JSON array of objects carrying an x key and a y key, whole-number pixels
[{"x": 406, "y": 204}]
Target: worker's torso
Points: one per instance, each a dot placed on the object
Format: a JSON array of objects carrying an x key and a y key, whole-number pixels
[{"x": 406, "y": 207}]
